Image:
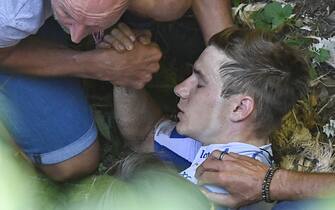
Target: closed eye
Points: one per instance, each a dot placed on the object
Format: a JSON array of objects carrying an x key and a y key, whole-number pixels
[{"x": 200, "y": 86}]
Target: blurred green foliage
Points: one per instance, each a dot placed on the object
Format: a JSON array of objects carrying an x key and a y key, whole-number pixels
[
  {"x": 321, "y": 55},
  {"x": 272, "y": 16}
]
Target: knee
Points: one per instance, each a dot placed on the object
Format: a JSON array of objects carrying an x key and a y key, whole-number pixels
[{"x": 81, "y": 165}]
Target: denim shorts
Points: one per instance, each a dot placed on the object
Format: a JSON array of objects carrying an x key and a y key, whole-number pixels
[{"x": 49, "y": 118}]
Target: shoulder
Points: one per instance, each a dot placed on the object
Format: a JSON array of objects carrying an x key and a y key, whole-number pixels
[
  {"x": 21, "y": 18},
  {"x": 167, "y": 128},
  {"x": 167, "y": 136}
]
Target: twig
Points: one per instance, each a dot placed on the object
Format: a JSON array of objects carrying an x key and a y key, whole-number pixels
[
  {"x": 329, "y": 86},
  {"x": 318, "y": 79},
  {"x": 324, "y": 106},
  {"x": 295, "y": 117}
]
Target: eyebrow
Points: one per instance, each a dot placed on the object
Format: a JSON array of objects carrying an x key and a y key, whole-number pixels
[{"x": 200, "y": 74}]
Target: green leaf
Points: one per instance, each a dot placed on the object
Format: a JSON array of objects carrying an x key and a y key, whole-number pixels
[
  {"x": 272, "y": 16},
  {"x": 321, "y": 55},
  {"x": 277, "y": 21},
  {"x": 324, "y": 55},
  {"x": 271, "y": 10},
  {"x": 287, "y": 11},
  {"x": 261, "y": 22},
  {"x": 236, "y": 3}
]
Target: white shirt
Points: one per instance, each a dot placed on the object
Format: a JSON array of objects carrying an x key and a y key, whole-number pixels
[
  {"x": 21, "y": 18},
  {"x": 262, "y": 154}
]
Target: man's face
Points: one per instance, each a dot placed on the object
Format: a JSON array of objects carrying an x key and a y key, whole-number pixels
[
  {"x": 83, "y": 17},
  {"x": 203, "y": 112}
]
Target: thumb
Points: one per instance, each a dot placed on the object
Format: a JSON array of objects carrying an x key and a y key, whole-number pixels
[
  {"x": 144, "y": 36},
  {"x": 144, "y": 40}
]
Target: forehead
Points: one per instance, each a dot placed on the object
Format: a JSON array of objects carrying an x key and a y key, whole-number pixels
[
  {"x": 93, "y": 12},
  {"x": 210, "y": 60}
]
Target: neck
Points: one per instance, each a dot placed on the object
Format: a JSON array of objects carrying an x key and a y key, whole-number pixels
[{"x": 246, "y": 136}]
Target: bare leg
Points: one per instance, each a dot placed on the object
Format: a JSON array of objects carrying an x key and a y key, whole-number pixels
[
  {"x": 136, "y": 115},
  {"x": 78, "y": 166},
  {"x": 213, "y": 15},
  {"x": 160, "y": 10}
]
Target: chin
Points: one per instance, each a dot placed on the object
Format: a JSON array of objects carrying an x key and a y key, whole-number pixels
[
  {"x": 180, "y": 129},
  {"x": 183, "y": 130}
]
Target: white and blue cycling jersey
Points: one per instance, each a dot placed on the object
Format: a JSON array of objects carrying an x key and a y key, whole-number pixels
[{"x": 187, "y": 154}]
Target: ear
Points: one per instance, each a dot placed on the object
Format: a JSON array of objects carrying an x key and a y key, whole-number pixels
[{"x": 243, "y": 106}]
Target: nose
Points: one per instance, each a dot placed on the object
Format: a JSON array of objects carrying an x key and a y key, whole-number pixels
[
  {"x": 183, "y": 89},
  {"x": 78, "y": 32}
]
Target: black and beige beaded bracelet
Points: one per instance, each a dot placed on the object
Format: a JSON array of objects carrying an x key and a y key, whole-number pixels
[{"x": 266, "y": 184}]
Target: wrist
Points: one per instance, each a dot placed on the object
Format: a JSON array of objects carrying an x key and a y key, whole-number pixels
[
  {"x": 82, "y": 61},
  {"x": 266, "y": 195},
  {"x": 94, "y": 64},
  {"x": 281, "y": 187}
]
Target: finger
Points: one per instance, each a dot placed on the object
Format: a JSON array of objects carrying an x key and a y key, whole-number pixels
[
  {"x": 103, "y": 45},
  {"x": 114, "y": 43},
  {"x": 207, "y": 165},
  {"x": 220, "y": 198},
  {"x": 154, "y": 67},
  {"x": 227, "y": 156},
  {"x": 138, "y": 85},
  {"x": 230, "y": 156},
  {"x": 145, "y": 33},
  {"x": 147, "y": 78},
  {"x": 127, "y": 31},
  {"x": 154, "y": 54},
  {"x": 144, "y": 40},
  {"x": 211, "y": 177},
  {"x": 213, "y": 165},
  {"x": 144, "y": 37},
  {"x": 143, "y": 78},
  {"x": 242, "y": 159},
  {"x": 216, "y": 154},
  {"x": 122, "y": 38}
]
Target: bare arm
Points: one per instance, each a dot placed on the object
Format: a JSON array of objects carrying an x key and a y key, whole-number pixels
[
  {"x": 290, "y": 185},
  {"x": 36, "y": 57},
  {"x": 243, "y": 177},
  {"x": 41, "y": 58},
  {"x": 213, "y": 16},
  {"x": 136, "y": 115}
]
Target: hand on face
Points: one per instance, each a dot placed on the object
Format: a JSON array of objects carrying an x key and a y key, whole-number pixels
[
  {"x": 241, "y": 176},
  {"x": 123, "y": 38}
]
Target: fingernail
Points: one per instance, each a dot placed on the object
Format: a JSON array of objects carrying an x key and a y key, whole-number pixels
[
  {"x": 129, "y": 47},
  {"x": 144, "y": 40},
  {"x": 132, "y": 38}
]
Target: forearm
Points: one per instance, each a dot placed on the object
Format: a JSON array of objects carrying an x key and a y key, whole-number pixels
[
  {"x": 213, "y": 16},
  {"x": 35, "y": 57},
  {"x": 136, "y": 115},
  {"x": 289, "y": 185}
]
